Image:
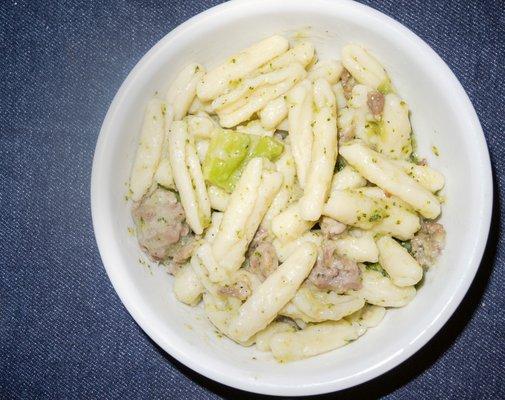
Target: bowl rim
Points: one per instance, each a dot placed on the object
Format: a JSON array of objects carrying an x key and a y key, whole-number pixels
[{"x": 176, "y": 347}]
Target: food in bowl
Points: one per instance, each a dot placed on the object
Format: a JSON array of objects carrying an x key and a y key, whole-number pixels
[{"x": 284, "y": 193}]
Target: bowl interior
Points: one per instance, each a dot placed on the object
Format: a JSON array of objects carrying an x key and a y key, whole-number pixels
[{"x": 441, "y": 116}]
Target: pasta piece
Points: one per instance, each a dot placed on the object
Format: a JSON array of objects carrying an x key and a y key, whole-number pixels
[
  {"x": 259, "y": 98},
  {"x": 340, "y": 99},
  {"x": 198, "y": 106},
  {"x": 283, "y": 125},
  {"x": 218, "y": 80},
  {"x": 302, "y": 53},
  {"x": 263, "y": 337},
  {"x": 203, "y": 275},
  {"x": 273, "y": 113},
  {"x": 313, "y": 340},
  {"x": 149, "y": 150},
  {"x": 212, "y": 230},
  {"x": 324, "y": 152},
  {"x": 352, "y": 207},
  {"x": 330, "y": 70},
  {"x": 300, "y": 129},
  {"x": 378, "y": 289},
  {"x": 273, "y": 294},
  {"x": 286, "y": 166},
  {"x": 400, "y": 221},
  {"x": 255, "y": 128},
  {"x": 198, "y": 182},
  {"x": 388, "y": 176},
  {"x": 221, "y": 312},
  {"x": 290, "y": 310},
  {"x": 270, "y": 184},
  {"x": 240, "y": 94},
  {"x": 368, "y": 317},
  {"x": 289, "y": 225},
  {"x": 358, "y": 246},
  {"x": 184, "y": 178},
  {"x": 321, "y": 305},
  {"x": 240, "y": 207},
  {"x": 164, "y": 175},
  {"x": 424, "y": 175},
  {"x": 347, "y": 178},
  {"x": 183, "y": 90},
  {"x": 284, "y": 250},
  {"x": 394, "y": 140},
  {"x": 403, "y": 269},
  {"x": 216, "y": 273},
  {"x": 201, "y": 126},
  {"x": 218, "y": 197},
  {"x": 187, "y": 287},
  {"x": 365, "y": 68},
  {"x": 202, "y": 146}
]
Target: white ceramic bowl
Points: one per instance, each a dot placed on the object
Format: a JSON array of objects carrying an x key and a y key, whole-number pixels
[{"x": 442, "y": 115}]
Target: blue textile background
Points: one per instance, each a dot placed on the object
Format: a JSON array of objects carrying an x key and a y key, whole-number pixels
[{"x": 63, "y": 331}]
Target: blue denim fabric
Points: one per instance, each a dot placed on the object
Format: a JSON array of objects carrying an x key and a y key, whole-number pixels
[{"x": 63, "y": 330}]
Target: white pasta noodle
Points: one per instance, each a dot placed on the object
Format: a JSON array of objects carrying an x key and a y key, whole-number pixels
[
  {"x": 214, "y": 270},
  {"x": 183, "y": 90},
  {"x": 352, "y": 207},
  {"x": 164, "y": 175},
  {"x": 319, "y": 305},
  {"x": 270, "y": 184},
  {"x": 313, "y": 340},
  {"x": 340, "y": 99},
  {"x": 217, "y": 81},
  {"x": 424, "y": 175},
  {"x": 195, "y": 216},
  {"x": 198, "y": 106},
  {"x": 347, "y": 178},
  {"x": 149, "y": 150},
  {"x": 239, "y": 209},
  {"x": 324, "y": 152},
  {"x": 400, "y": 221},
  {"x": 244, "y": 89},
  {"x": 379, "y": 290},
  {"x": 403, "y": 269},
  {"x": 358, "y": 246},
  {"x": 286, "y": 166},
  {"x": 233, "y": 115},
  {"x": 201, "y": 126},
  {"x": 212, "y": 230},
  {"x": 283, "y": 125},
  {"x": 330, "y": 70},
  {"x": 302, "y": 53},
  {"x": 202, "y": 146},
  {"x": 221, "y": 312},
  {"x": 187, "y": 287},
  {"x": 394, "y": 139},
  {"x": 218, "y": 197},
  {"x": 284, "y": 250},
  {"x": 364, "y": 67},
  {"x": 368, "y": 317},
  {"x": 388, "y": 176},
  {"x": 273, "y": 294},
  {"x": 289, "y": 225},
  {"x": 195, "y": 171},
  {"x": 255, "y": 128},
  {"x": 201, "y": 272},
  {"x": 263, "y": 337},
  {"x": 273, "y": 113},
  {"x": 300, "y": 129}
]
